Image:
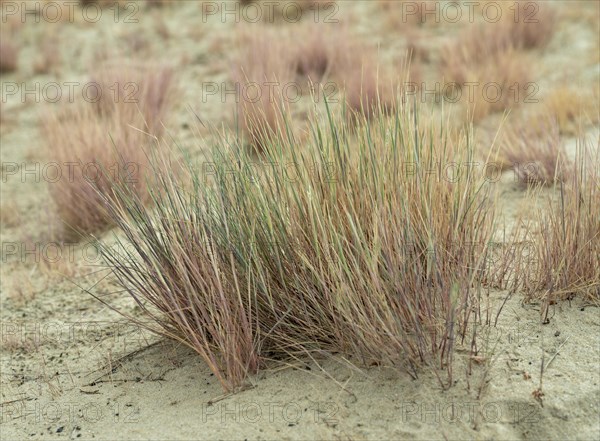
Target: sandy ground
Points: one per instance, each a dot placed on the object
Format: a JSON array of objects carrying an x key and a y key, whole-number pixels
[{"x": 72, "y": 368}]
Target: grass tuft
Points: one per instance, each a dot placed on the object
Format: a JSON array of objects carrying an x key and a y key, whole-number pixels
[
  {"x": 364, "y": 243},
  {"x": 106, "y": 139},
  {"x": 535, "y": 152},
  {"x": 260, "y": 76},
  {"x": 9, "y": 55},
  {"x": 492, "y": 56},
  {"x": 566, "y": 257}
]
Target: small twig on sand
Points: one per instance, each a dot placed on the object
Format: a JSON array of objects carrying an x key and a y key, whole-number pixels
[
  {"x": 227, "y": 395},
  {"x": 554, "y": 356},
  {"x": 120, "y": 361}
]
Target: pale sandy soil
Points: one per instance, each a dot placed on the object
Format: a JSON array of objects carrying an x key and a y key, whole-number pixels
[{"x": 72, "y": 368}]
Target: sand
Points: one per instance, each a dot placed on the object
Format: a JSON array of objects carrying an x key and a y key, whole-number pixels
[{"x": 72, "y": 368}]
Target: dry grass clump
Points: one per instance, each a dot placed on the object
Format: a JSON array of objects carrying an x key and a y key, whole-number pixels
[
  {"x": 474, "y": 46},
  {"x": 531, "y": 24},
  {"x": 572, "y": 108},
  {"x": 9, "y": 55},
  {"x": 326, "y": 64},
  {"x": 159, "y": 3},
  {"x": 566, "y": 255},
  {"x": 368, "y": 82},
  {"x": 262, "y": 75},
  {"x": 493, "y": 84},
  {"x": 400, "y": 14},
  {"x": 94, "y": 143},
  {"x": 348, "y": 244},
  {"x": 359, "y": 76},
  {"x": 328, "y": 61},
  {"x": 535, "y": 152},
  {"x": 10, "y": 215},
  {"x": 289, "y": 11},
  {"x": 528, "y": 26},
  {"x": 503, "y": 84},
  {"x": 368, "y": 90},
  {"x": 320, "y": 50},
  {"x": 103, "y": 3},
  {"x": 493, "y": 53},
  {"x": 497, "y": 75}
]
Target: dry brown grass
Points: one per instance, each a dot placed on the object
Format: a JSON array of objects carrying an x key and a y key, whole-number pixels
[
  {"x": 9, "y": 55},
  {"x": 292, "y": 11},
  {"x": 332, "y": 52},
  {"x": 531, "y": 24},
  {"x": 320, "y": 50},
  {"x": 493, "y": 53},
  {"x": 358, "y": 254},
  {"x": 365, "y": 80},
  {"x": 566, "y": 256},
  {"x": 343, "y": 68},
  {"x": 474, "y": 46},
  {"x": 499, "y": 83},
  {"x": 95, "y": 143},
  {"x": 103, "y": 3},
  {"x": 368, "y": 87},
  {"x": 19, "y": 342},
  {"x": 572, "y": 108},
  {"x": 10, "y": 215},
  {"x": 264, "y": 68},
  {"x": 535, "y": 152},
  {"x": 401, "y": 14}
]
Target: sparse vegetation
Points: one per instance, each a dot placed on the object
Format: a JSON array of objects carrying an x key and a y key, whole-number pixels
[
  {"x": 370, "y": 218},
  {"x": 535, "y": 152},
  {"x": 530, "y": 24},
  {"x": 108, "y": 139},
  {"x": 572, "y": 109},
  {"x": 499, "y": 74},
  {"x": 401, "y": 13},
  {"x": 263, "y": 72},
  {"x": 9, "y": 55},
  {"x": 491, "y": 54},
  {"x": 566, "y": 257},
  {"x": 270, "y": 77}
]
